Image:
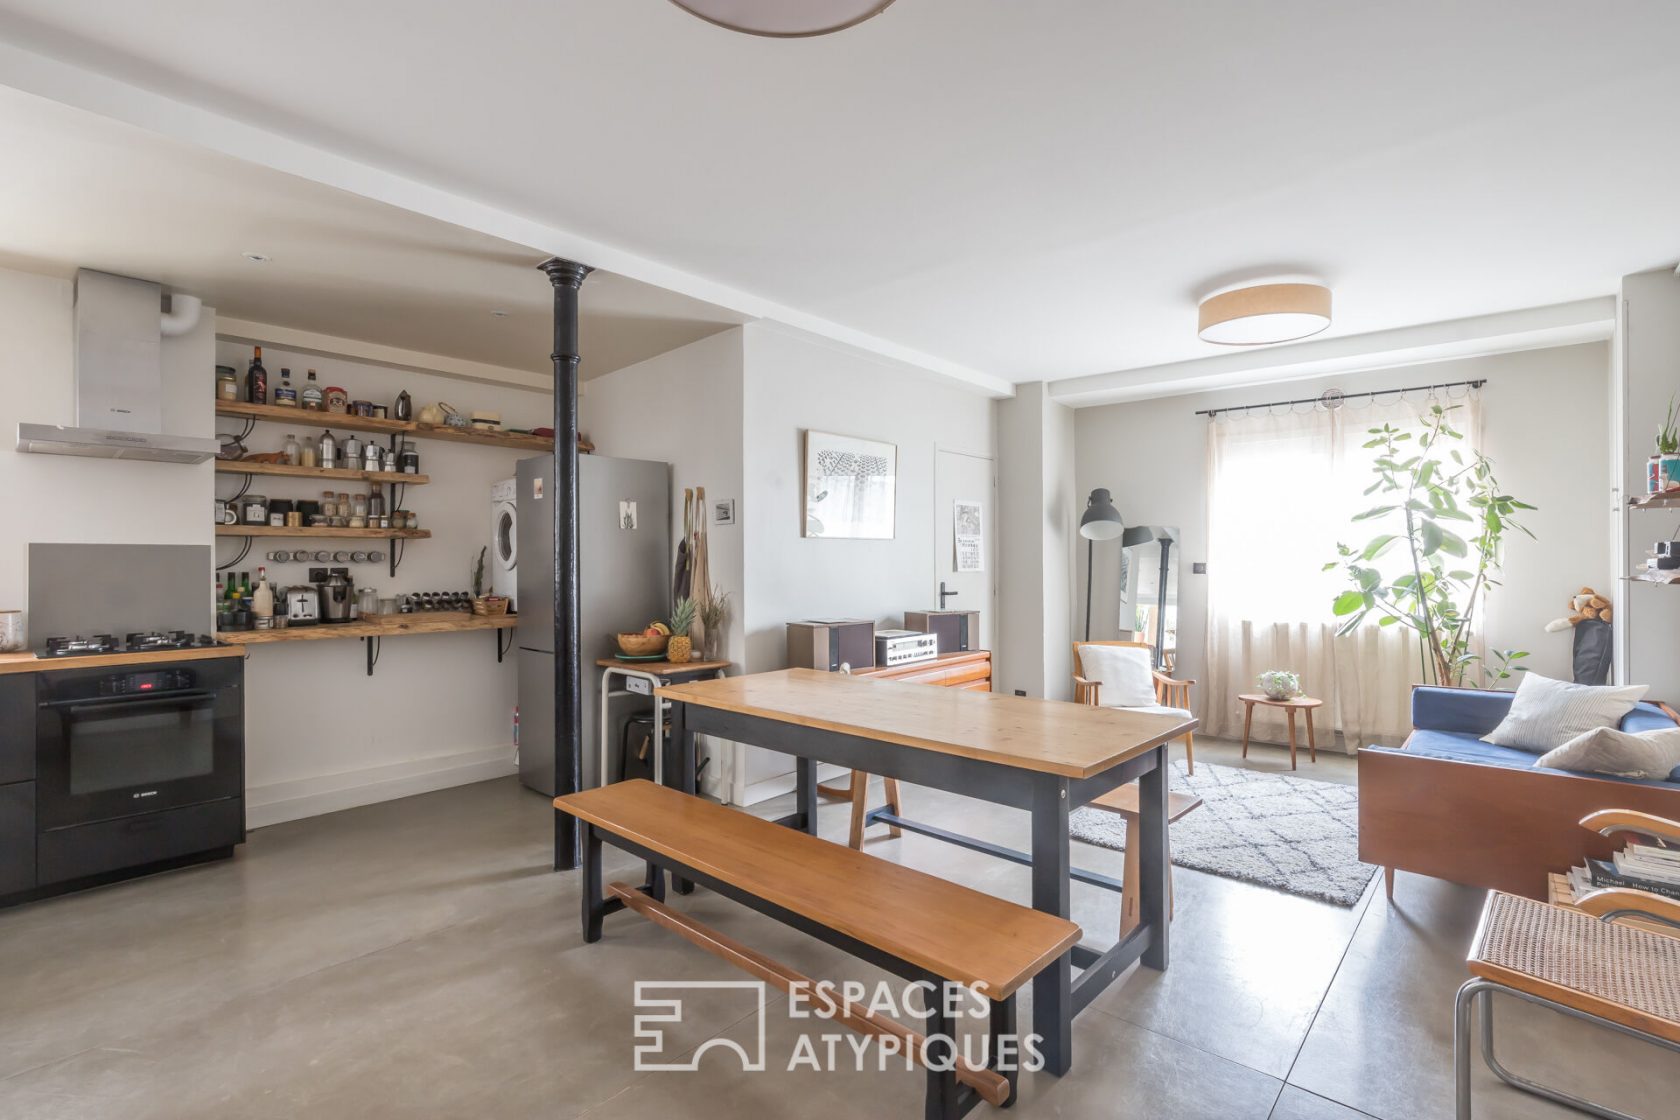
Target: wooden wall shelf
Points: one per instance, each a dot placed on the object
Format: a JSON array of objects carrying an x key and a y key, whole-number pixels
[
  {"x": 286, "y": 470},
  {"x": 412, "y": 624},
  {"x": 1666, "y": 499},
  {"x": 344, "y": 422},
  {"x": 310, "y": 531},
  {"x": 298, "y": 417},
  {"x": 373, "y": 633},
  {"x": 510, "y": 440}
]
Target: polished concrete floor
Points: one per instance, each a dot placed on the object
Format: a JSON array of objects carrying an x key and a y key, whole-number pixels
[{"x": 416, "y": 959}]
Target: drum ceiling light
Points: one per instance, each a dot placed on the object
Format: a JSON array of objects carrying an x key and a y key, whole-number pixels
[
  {"x": 1264, "y": 313},
  {"x": 784, "y": 19}
]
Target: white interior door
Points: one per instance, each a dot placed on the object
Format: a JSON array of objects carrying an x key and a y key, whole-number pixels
[{"x": 969, "y": 480}]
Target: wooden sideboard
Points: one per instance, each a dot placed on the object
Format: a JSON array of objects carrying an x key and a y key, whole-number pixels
[{"x": 971, "y": 670}]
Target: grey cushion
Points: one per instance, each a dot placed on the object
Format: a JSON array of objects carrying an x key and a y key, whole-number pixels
[
  {"x": 1546, "y": 713},
  {"x": 1605, "y": 750}
]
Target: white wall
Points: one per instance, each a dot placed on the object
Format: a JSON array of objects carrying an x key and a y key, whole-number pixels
[
  {"x": 1038, "y": 518},
  {"x": 1545, "y": 423},
  {"x": 684, "y": 408},
  {"x": 795, "y": 382},
  {"x": 49, "y": 498},
  {"x": 438, "y": 711},
  {"x": 1648, "y": 377}
]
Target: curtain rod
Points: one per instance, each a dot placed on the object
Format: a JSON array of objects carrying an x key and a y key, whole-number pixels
[{"x": 1476, "y": 384}]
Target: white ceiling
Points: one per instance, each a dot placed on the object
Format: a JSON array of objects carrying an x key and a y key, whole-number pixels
[
  {"x": 1029, "y": 190},
  {"x": 96, "y": 193}
]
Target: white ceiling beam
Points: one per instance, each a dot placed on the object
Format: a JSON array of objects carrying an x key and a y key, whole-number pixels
[
  {"x": 376, "y": 353},
  {"x": 76, "y": 86},
  {"x": 1506, "y": 332}
]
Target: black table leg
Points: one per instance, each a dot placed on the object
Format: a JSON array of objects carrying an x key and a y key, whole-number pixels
[
  {"x": 805, "y": 793},
  {"x": 679, "y": 770},
  {"x": 593, "y": 905},
  {"x": 1051, "y": 893},
  {"x": 1152, "y": 858}
]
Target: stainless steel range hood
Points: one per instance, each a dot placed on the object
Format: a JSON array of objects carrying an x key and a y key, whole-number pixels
[{"x": 119, "y": 376}]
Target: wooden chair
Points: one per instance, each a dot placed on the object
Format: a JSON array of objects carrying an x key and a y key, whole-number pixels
[
  {"x": 1169, "y": 693},
  {"x": 1577, "y": 960},
  {"x": 1124, "y": 802}
]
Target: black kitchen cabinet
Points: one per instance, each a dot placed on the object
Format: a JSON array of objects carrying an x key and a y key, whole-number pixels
[
  {"x": 17, "y": 727},
  {"x": 17, "y": 837}
]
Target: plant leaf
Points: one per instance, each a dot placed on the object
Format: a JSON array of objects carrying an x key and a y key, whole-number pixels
[
  {"x": 1348, "y": 602},
  {"x": 1431, "y": 536}
]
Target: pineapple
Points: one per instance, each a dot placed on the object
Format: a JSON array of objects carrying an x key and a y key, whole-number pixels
[{"x": 681, "y": 646}]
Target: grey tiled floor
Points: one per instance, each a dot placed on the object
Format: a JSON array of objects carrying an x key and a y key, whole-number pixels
[{"x": 416, "y": 959}]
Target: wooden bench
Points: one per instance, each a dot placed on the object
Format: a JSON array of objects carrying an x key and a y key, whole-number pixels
[{"x": 916, "y": 925}]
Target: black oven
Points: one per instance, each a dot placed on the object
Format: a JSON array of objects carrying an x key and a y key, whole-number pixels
[{"x": 116, "y": 743}]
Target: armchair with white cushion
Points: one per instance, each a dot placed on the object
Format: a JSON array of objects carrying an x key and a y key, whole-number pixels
[{"x": 1123, "y": 675}]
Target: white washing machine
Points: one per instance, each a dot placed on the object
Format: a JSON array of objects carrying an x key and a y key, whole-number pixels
[{"x": 504, "y": 539}]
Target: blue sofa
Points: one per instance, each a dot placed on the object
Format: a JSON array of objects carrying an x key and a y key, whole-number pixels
[{"x": 1447, "y": 804}]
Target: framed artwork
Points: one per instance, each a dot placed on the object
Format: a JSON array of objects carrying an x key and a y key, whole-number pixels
[{"x": 850, "y": 487}]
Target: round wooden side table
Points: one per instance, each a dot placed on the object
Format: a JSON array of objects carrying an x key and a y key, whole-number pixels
[{"x": 1298, "y": 704}]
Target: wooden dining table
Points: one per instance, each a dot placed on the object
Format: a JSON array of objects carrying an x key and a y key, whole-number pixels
[{"x": 1043, "y": 756}]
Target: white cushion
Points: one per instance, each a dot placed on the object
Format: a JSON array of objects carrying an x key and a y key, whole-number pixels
[
  {"x": 1123, "y": 672},
  {"x": 1546, "y": 713},
  {"x": 1159, "y": 710},
  {"x": 1627, "y": 754}
]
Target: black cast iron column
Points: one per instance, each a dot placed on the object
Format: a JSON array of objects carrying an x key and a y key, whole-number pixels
[{"x": 567, "y": 278}]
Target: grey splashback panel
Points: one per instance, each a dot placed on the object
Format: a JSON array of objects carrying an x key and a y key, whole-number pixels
[{"x": 118, "y": 589}]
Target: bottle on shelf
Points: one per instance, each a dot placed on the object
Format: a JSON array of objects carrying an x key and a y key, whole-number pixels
[
  {"x": 262, "y": 600},
  {"x": 294, "y": 453},
  {"x": 284, "y": 394},
  {"x": 245, "y": 587},
  {"x": 256, "y": 379},
  {"x": 327, "y": 447},
  {"x": 311, "y": 398},
  {"x": 220, "y": 597}
]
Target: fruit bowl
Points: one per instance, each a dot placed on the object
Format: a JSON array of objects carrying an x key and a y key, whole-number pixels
[{"x": 642, "y": 645}]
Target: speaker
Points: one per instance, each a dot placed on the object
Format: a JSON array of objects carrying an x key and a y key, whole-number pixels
[
  {"x": 957, "y": 631},
  {"x": 830, "y": 643}
]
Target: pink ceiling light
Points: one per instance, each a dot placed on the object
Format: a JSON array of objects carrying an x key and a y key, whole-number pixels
[{"x": 784, "y": 19}]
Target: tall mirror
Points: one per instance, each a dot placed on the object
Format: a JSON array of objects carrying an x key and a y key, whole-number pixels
[{"x": 1149, "y": 589}]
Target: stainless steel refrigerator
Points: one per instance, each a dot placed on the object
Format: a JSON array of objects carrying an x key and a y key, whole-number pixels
[{"x": 624, "y": 573}]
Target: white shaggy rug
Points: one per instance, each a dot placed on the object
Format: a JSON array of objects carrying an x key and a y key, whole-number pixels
[{"x": 1277, "y": 830}]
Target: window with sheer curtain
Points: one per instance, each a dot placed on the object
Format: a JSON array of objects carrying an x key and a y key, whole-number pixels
[{"x": 1283, "y": 491}]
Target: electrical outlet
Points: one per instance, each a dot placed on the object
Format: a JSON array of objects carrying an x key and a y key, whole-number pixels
[{"x": 1199, "y": 568}]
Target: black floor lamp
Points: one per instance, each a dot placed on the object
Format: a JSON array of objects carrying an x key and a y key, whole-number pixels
[{"x": 1101, "y": 522}]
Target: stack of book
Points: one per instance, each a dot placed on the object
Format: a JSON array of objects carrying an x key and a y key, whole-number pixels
[{"x": 1644, "y": 865}]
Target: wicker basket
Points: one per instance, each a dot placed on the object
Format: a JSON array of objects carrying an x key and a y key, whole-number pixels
[
  {"x": 642, "y": 645},
  {"x": 491, "y": 606}
]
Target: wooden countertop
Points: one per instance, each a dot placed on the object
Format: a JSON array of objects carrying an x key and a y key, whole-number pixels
[
  {"x": 29, "y": 663},
  {"x": 410, "y": 624},
  {"x": 1049, "y": 736}
]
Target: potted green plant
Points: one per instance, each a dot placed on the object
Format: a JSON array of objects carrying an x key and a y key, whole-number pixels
[
  {"x": 1663, "y": 473},
  {"x": 1444, "y": 576}
]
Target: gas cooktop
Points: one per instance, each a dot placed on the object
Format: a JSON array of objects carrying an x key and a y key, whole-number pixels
[{"x": 151, "y": 642}]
